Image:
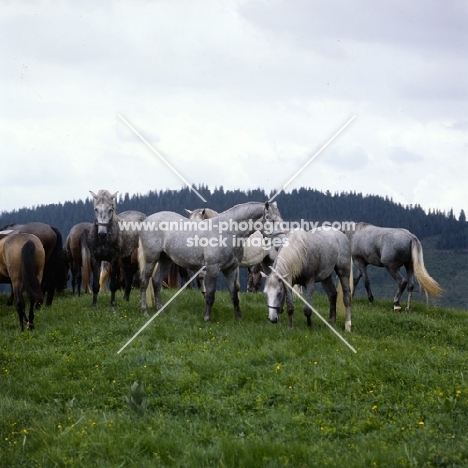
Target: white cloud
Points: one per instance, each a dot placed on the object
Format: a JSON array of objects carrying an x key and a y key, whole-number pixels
[{"x": 237, "y": 93}]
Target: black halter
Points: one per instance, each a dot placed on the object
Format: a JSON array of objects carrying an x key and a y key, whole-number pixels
[{"x": 278, "y": 308}]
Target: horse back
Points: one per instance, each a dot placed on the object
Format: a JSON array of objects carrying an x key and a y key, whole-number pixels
[
  {"x": 45, "y": 233},
  {"x": 12, "y": 254},
  {"x": 74, "y": 241},
  {"x": 327, "y": 250},
  {"x": 380, "y": 246},
  {"x": 128, "y": 240}
]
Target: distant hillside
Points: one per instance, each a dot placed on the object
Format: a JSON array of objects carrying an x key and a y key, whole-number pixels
[{"x": 445, "y": 249}]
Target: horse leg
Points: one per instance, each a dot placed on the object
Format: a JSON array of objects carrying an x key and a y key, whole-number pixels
[
  {"x": 330, "y": 289},
  {"x": 401, "y": 283},
  {"x": 410, "y": 276},
  {"x": 48, "y": 283},
  {"x": 185, "y": 276},
  {"x": 114, "y": 280},
  {"x": 201, "y": 282},
  {"x": 145, "y": 275},
  {"x": 30, "y": 325},
  {"x": 211, "y": 278},
  {"x": 129, "y": 271},
  {"x": 161, "y": 273},
  {"x": 362, "y": 267},
  {"x": 95, "y": 266},
  {"x": 343, "y": 275},
  {"x": 309, "y": 291},
  {"x": 78, "y": 279},
  {"x": 20, "y": 306},
  {"x": 232, "y": 279},
  {"x": 289, "y": 306},
  {"x": 11, "y": 298}
]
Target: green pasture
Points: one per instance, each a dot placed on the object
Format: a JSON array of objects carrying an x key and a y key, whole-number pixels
[{"x": 232, "y": 393}]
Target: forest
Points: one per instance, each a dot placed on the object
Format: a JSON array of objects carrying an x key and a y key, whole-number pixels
[{"x": 306, "y": 204}]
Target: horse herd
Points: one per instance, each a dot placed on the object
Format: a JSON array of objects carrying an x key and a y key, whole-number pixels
[{"x": 34, "y": 260}]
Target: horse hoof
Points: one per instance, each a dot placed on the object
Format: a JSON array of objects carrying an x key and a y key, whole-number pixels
[
  {"x": 348, "y": 326},
  {"x": 396, "y": 308},
  {"x": 206, "y": 318},
  {"x": 30, "y": 326}
]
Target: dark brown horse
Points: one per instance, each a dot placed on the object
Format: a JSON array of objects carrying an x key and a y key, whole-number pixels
[
  {"x": 22, "y": 260},
  {"x": 73, "y": 250},
  {"x": 110, "y": 241},
  {"x": 56, "y": 267}
]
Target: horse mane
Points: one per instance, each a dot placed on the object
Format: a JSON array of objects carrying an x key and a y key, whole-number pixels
[
  {"x": 293, "y": 256},
  {"x": 249, "y": 207}
]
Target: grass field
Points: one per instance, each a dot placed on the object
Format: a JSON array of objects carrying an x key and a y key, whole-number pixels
[{"x": 232, "y": 393}]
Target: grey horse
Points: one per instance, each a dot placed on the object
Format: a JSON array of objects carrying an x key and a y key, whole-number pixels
[
  {"x": 390, "y": 248},
  {"x": 308, "y": 258},
  {"x": 216, "y": 244}
]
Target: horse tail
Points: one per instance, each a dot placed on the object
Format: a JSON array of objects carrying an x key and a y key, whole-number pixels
[
  {"x": 173, "y": 277},
  {"x": 85, "y": 261},
  {"x": 141, "y": 258},
  {"x": 429, "y": 284},
  {"x": 340, "y": 305},
  {"x": 31, "y": 283},
  {"x": 104, "y": 276}
]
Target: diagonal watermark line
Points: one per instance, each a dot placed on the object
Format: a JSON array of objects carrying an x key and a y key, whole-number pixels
[
  {"x": 315, "y": 312},
  {"x": 312, "y": 158},
  {"x": 161, "y": 157},
  {"x": 161, "y": 309}
]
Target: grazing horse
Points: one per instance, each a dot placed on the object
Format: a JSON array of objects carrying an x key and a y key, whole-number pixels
[
  {"x": 391, "y": 248},
  {"x": 193, "y": 244},
  {"x": 56, "y": 267},
  {"x": 308, "y": 258},
  {"x": 22, "y": 260},
  {"x": 74, "y": 252},
  {"x": 109, "y": 241},
  {"x": 254, "y": 278}
]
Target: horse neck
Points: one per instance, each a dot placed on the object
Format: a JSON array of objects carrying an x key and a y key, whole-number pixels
[
  {"x": 242, "y": 213},
  {"x": 291, "y": 258}
]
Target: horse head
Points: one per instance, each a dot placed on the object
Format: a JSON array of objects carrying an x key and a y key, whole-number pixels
[
  {"x": 104, "y": 210},
  {"x": 272, "y": 220},
  {"x": 201, "y": 213},
  {"x": 275, "y": 292},
  {"x": 254, "y": 278}
]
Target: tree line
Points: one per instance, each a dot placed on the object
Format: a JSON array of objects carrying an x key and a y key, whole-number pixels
[{"x": 308, "y": 204}]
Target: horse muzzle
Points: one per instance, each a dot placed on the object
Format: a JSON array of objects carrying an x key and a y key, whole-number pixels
[{"x": 102, "y": 230}]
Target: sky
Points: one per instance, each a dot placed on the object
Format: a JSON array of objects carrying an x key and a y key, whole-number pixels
[{"x": 237, "y": 93}]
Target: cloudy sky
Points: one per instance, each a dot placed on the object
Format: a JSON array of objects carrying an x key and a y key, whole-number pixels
[{"x": 235, "y": 93}]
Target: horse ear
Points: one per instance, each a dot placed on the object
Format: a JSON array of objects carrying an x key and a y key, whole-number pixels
[
  {"x": 263, "y": 274},
  {"x": 115, "y": 194},
  {"x": 203, "y": 212},
  {"x": 188, "y": 211},
  {"x": 93, "y": 194}
]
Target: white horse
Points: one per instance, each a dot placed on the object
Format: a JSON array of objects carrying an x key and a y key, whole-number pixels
[
  {"x": 308, "y": 258},
  {"x": 391, "y": 248},
  {"x": 218, "y": 246},
  {"x": 255, "y": 248}
]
